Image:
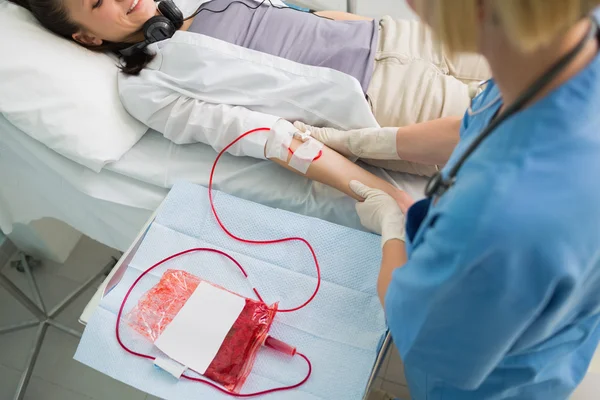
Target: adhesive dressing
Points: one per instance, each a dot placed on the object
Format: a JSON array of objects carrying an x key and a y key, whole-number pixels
[
  {"x": 278, "y": 145},
  {"x": 305, "y": 155}
]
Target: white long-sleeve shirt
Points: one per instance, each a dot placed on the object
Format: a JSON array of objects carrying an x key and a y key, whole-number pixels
[{"x": 201, "y": 89}]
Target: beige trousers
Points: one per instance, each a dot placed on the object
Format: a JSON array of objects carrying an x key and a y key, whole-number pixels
[{"x": 415, "y": 80}]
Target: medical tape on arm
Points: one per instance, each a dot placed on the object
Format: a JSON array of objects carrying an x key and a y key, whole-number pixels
[
  {"x": 305, "y": 155},
  {"x": 278, "y": 143}
]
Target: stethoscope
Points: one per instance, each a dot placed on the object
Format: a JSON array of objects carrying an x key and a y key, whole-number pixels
[{"x": 438, "y": 184}]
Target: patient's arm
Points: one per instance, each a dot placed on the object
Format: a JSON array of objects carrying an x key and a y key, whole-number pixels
[
  {"x": 333, "y": 169},
  {"x": 187, "y": 120},
  {"x": 342, "y": 16}
]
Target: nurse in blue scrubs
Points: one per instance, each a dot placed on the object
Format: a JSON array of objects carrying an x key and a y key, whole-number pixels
[{"x": 493, "y": 289}]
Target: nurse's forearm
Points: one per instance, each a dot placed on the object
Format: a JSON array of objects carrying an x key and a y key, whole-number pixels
[
  {"x": 336, "y": 171},
  {"x": 394, "y": 256},
  {"x": 430, "y": 142}
]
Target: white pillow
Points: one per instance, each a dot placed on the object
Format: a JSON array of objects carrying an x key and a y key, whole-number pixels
[{"x": 62, "y": 94}]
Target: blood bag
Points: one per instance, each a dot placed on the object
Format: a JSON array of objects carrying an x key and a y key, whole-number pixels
[{"x": 234, "y": 360}]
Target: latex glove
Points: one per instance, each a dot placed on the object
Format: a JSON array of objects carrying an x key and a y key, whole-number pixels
[
  {"x": 379, "y": 213},
  {"x": 373, "y": 143}
]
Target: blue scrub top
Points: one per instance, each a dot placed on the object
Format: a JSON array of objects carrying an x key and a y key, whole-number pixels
[{"x": 500, "y": 297}]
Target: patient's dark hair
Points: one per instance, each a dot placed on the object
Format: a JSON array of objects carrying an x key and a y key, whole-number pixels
[{"x": 54, "y": 17}]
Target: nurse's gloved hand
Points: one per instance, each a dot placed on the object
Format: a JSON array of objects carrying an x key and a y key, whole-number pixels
[
  {"x": 379, "y": 212},
  {"x": 372, "y": 143}
]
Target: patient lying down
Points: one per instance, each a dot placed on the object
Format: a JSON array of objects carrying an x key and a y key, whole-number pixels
[{"x": 241, "y": 65}]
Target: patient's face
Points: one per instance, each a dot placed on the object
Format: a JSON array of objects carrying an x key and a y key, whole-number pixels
[{"x": 112, "y": 20}]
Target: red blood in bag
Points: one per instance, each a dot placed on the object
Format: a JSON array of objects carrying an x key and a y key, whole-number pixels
[
  {"x": 235, "y": 358},
  {"x": 241, "y": 344}
]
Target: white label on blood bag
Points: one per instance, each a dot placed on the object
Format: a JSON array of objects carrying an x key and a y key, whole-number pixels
[
  {"x": 172, "y": 367},
  {"x": 197, "y": 332}
]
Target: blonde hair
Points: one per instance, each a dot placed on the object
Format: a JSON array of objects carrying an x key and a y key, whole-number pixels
[{"x": 529, "y": 24}]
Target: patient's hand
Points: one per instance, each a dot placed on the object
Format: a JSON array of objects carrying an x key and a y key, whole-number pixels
[
  {"x": 379, "y": 212},
  {"x": 404, "y": 200}
]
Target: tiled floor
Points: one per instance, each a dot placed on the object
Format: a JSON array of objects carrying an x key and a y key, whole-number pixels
[
  {"x": 391, "y": 376},
  {"x": 56, "y": 375}
]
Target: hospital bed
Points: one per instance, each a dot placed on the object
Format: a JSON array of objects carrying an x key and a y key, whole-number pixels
[{"x": 113, "y": 205}]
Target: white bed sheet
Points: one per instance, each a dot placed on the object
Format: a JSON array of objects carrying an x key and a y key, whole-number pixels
[{"x": 111, "y": 206}]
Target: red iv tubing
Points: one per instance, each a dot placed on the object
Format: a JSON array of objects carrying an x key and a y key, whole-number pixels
[{"x": 270, "y": 342}]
